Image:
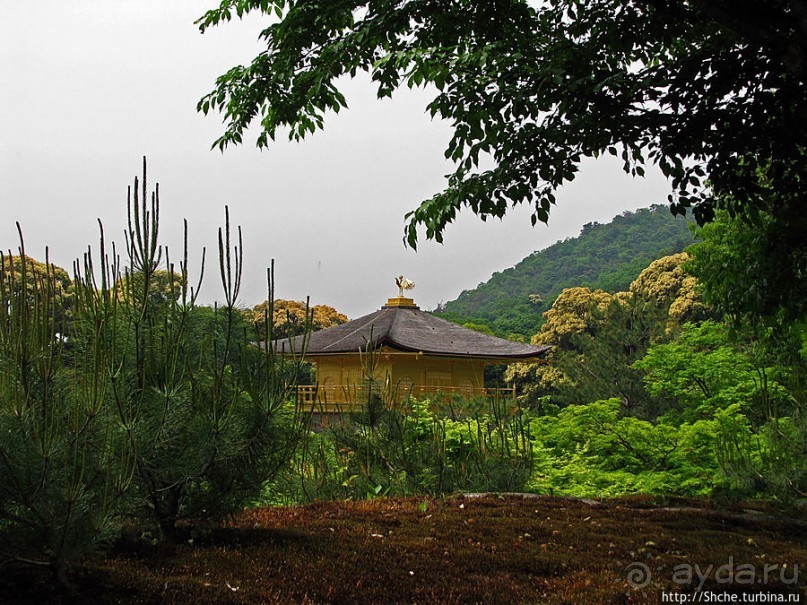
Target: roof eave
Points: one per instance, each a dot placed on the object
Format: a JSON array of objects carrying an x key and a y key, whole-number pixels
[{"x": 532, "y": 357}]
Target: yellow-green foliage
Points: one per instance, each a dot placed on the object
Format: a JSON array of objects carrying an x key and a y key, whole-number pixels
[
  {"x": 597, "y": 336},
  {"x": 22, "y": 273},
  {"x": 575, "y": 311},
  {"x": 290, "y": 318},
  {"x": 666, "y": 284},
  {"x": 662, "y": 280},
  {"x": 535, "y": 382},
  {"x": 15, "y": 265},
  {"x": 163, "y": 287},
  {"x": 594, "y": 450}
]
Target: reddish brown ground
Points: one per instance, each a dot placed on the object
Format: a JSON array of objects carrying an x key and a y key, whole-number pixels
[{"x": 460, "y": 550}]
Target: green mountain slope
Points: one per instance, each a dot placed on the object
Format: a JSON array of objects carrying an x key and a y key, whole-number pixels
[{"x": 607, "y": 256}]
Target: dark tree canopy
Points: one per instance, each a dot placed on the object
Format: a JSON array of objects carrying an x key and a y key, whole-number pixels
[
  {"x": 712, "y": 91},
  {"x": 754, "y": 274}
]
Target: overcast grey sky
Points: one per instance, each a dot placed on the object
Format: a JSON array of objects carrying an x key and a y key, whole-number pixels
[{"x": 90, "y": 86}]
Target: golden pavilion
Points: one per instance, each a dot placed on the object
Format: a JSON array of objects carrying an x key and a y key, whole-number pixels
[{"x": 400, "y": 351}]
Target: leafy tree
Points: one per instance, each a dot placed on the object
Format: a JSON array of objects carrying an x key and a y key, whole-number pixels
[
  {"x": 594, "y": 450},
  {"x": 663, "y": 280},
  {"x": 665, "y": 283},
  {"x": 163, "y": 286},
  {"x": 704, "y": 370},
  {"x": 709, "y": 91},
  {"x": 600, "y": 364},
  {"x": 575, "y": 311},
  {"x": 753, "y": 273},
  {"x": 292, "y": 317},
  {"x": 598, "y": 337},
  {"x": 27, "y": 275},
  {"x": 24, "y": 272}
]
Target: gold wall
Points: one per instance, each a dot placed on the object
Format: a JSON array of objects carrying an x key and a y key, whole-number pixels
[{"x": 402, "y": 369}]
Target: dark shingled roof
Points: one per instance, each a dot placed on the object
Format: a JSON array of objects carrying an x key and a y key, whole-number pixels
[{"x": 410, "y": 329}]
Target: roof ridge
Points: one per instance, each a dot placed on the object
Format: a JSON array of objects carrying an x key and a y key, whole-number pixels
[
  {"x": 370, "y": 320},
  {"x": 393, "y": 322}
]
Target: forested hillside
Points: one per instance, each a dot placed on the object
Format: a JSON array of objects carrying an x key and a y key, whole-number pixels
[{"x": 607, "y": 256}]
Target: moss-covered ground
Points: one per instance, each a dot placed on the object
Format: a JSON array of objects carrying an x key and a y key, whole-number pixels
[{"x": 488, "y": 549}]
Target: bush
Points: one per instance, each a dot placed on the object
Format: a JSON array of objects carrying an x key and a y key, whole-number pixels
[
  {"x": 595, "y": 451},
  {"x": 416, "y": 450}
]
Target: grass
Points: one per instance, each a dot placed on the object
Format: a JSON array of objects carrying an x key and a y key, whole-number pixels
[{"x": 485, "y": 549}]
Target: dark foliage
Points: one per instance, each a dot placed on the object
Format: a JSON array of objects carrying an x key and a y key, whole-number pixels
[
  {"x": 709, "y": 91},
  {"x": 754, "y": 273}
]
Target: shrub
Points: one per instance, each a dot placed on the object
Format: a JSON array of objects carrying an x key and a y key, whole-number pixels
[{"x": 417, "y": 450}]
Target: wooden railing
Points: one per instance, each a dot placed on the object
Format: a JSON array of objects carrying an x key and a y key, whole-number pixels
[{"x": 348, "y": 398}]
